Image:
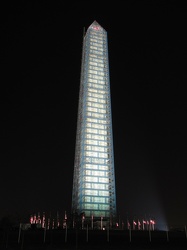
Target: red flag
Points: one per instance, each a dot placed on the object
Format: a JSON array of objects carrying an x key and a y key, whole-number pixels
[
  {"x": 128, "y": 225},
  {"x": 31, "y": 219},
  {"x": 65, "y": 216},
  {"x": 152, "y": 224}
]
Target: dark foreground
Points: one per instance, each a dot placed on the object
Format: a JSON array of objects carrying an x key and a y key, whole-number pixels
[{"x": 92, "y": 240}]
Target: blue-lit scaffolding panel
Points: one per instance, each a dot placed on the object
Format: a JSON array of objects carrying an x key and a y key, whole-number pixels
[{"x": 94, "y": 193}]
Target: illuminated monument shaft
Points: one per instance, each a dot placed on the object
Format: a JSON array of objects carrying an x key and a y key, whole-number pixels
[{"x": 94, "y": 178}]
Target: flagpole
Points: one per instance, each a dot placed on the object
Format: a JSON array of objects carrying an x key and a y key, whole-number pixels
[
  {"x": 73, "y": 223},
  {"x": 167, "y": 236},
  {"x": 139, "y": 225},
  {"x": 130, "y": 234},
  {"x": 92, "y": 221},
  {"x": 119, "y": 222},
  {"x": 44, "y": 233},
  {"x": 149, "y": 235},
  {"x": 83, "y": 221},
  {"x": 108, "y": 233},
  {"x": 101, "y": 222},
  {"x": 185, "y": 231},
  {"x": 127, "y": 224},
  {"x": 87, "y": 233},
  {"x": 43, "y": 220},
  {"x": 22, "y": 239},
  {"x": 66, "y": 233},
  {"x": 147, "y": 225},
  {"x": 19, "y": 234}
]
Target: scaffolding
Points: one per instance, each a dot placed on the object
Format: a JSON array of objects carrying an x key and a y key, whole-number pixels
[{"x": 94, "y": 177}]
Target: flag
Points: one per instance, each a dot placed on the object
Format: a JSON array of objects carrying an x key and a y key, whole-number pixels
[
  {"x": 134, "y": 222},
  {"x": 48, "y": 223},
  {"x": 139, "y": 225},
  {"x": 35, "y": 221},
  {"x": 31, "y": 219},
  {"x": 65, "y": 216},
  {"x": 128, "y": 224},
  {"x": 53, "y": 224},
  {"x": 39, "y": 219},
  {"x": 143, "y": 223},
  {"x": 43, "y": 220},
  {"x": 57, "y": 220},
  {"x": 152, "y": 222}
]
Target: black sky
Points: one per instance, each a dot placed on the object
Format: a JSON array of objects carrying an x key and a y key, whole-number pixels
[{"x": 41, "y": 58}]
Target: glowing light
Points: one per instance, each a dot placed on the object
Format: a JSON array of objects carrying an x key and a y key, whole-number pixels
[
  {"x": 152, "y": 222},
  {"x": 43, "y": 220},
  {"x": 31, "y": 220},
  {"x": 96, "y": 28}
]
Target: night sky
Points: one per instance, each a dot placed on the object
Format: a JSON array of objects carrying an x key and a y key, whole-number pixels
[{"x": 40, "y": 64}]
